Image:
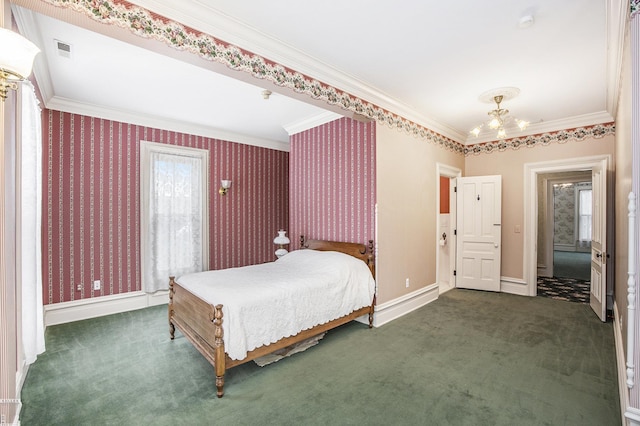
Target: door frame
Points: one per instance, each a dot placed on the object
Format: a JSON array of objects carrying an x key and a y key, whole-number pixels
[
  {"x": 451, "y": 172},
  {"x": 531, "y": 171}
]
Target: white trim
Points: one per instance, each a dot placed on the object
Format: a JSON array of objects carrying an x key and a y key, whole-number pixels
[
  {"x": 632, "y": 415},
  {"x": 514, "y": 286},
  {"x": 77, "y": 310},
  {"x": 450, "y": 172},
  {"x": 622, "y": 376},
  {"x": 394, "y": 309},
  {"x": 311, "y": 122},
  {"x": 74, "y": 107},
  {"x": 531, "y": 170},
  {"x": 617, "y": 12}
]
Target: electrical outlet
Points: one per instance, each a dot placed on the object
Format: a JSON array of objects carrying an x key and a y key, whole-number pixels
[
  {"x": 407, "y": 283},
  {"x": 96, "y": 285},
  {"x": 79, "y": 287}
]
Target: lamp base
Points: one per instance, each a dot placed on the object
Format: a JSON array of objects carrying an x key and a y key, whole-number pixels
[{"x": 281, "y": 252}]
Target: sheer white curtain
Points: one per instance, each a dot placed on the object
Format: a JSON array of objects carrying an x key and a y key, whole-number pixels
[
  {"x": 30, "y": 225},
  {"x": 174, "y": 213}
]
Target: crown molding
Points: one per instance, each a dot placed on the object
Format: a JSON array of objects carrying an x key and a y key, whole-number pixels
[
  {"x": 311, "y": 122},
  {"x": 27, "y": 26},
  {"x": 204, "y": 18},
  {"x": 550, "y": 126},
  {"x": 73, "y": 107},
  {"x": 617, "y": 17}
]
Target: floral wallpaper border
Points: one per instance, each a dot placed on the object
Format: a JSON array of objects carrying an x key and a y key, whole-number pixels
[
  {"x": 145, "y": 24},
  {"x": 634, "y": 7},
  {"x": 149, "y": 25},
  {"x": 596, "y": 131}
]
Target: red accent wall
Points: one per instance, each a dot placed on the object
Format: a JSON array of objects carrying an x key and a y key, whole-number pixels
[
  {"x": 91, "y": 203},
  {"x": 444, "y": 194},
  {"x": 333, "y": 182}
]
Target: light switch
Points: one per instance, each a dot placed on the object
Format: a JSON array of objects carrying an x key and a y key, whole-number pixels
[{"x": 517, "y": 229}]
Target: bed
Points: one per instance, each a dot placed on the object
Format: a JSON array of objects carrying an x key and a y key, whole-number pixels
[{"x": 237, "y": 315}]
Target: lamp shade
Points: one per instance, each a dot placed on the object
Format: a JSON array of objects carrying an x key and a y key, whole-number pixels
[
  {"x": 17, "y": 54},
  {"x": 281, "y": 239}
]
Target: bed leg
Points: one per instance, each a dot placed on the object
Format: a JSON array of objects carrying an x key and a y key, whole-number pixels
[
  {"x": 371, "y": 311},
  {"x": 220, "y": 386},
  {"x": 172, "y": 328}
]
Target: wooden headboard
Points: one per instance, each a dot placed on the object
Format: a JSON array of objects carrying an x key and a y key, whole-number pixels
[{"x": 359, "y": 251}]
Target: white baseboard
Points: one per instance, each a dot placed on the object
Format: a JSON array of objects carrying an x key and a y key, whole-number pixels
[
  {"x": 393, "y": 309},
  {"x": 444, "y": 287},
  {"x": 631, "y": 417},
  {"x": 60, "y": 313},
  {"x": 514, "y": 286},
  {"x": 621, "y": 362}
]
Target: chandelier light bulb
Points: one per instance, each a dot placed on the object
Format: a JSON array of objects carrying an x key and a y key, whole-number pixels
[
  {"x": 501, "y": 133},
  {"x": 494, "y": 123},
  {"x": 475, "y": 132},
  {"x": 522, "y": 124}
]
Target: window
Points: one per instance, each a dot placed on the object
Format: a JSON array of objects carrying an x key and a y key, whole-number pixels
[
  {"x": 174, "y": 213},
  {"x": 584, "y": 214}
]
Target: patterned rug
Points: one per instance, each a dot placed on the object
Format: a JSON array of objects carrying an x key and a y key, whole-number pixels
[{"x": 569, "y": 289}]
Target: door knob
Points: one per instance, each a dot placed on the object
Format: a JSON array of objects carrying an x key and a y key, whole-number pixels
[{"x": 495, "y": 245}]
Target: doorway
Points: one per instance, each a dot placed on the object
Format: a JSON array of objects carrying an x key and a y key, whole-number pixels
[
  {"x": 601, "y": 277},
  {"x": 446, "y": 219},
  {"x": 564, "y": 235}
]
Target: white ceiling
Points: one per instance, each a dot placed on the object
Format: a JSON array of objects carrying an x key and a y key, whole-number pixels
[{"x": 428, "y": 61}]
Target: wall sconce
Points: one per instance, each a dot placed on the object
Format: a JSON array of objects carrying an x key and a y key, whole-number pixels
[
  {"x": 224, "y": 186},
  {"x": 281, "y": 240},
  {"x": 16, "y": 60}
]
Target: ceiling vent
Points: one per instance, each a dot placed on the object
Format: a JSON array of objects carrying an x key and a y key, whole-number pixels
[{"x": 64, "y": 49}]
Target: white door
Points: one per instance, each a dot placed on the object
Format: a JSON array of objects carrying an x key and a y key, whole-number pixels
[
  {"x": 479, "y": 232},
  {"x": 598, "y": 296}
]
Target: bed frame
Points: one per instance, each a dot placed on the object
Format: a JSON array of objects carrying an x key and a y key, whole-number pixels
[{"x": 201, "y": 322}]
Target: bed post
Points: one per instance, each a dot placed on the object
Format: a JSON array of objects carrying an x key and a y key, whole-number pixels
[
  {"x": 370, "y": 258},
  {"x": 218, "y": 346},
  {"x": 172, "y": 328}
]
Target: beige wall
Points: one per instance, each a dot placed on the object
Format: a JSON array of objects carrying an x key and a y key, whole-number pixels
[
  {"x": 406, "y": 198},
  {"x": 622, "y": 189},
  {"x": 510, "y": 164}
]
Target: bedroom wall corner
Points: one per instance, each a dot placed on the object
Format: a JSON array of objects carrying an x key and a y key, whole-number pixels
[{"x": 407, "y": 206}]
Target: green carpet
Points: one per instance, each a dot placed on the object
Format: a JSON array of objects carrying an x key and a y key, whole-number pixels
[
  {"x": 572, "y": 264},
  {"x": 469, "y": 358}
]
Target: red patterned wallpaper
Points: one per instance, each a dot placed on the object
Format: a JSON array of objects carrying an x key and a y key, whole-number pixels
[
  {"x": 91, "y": 203},
  {"x": 333, "y": 182}
]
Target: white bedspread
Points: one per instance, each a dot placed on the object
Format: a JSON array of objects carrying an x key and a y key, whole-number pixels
[{"x": 264, "y": 303}]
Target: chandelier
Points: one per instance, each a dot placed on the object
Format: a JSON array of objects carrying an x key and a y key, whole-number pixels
[{"x": 499, "y": 120}]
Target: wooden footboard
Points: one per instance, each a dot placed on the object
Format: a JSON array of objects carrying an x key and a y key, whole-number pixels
[{"x": 201, "y": 322}]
